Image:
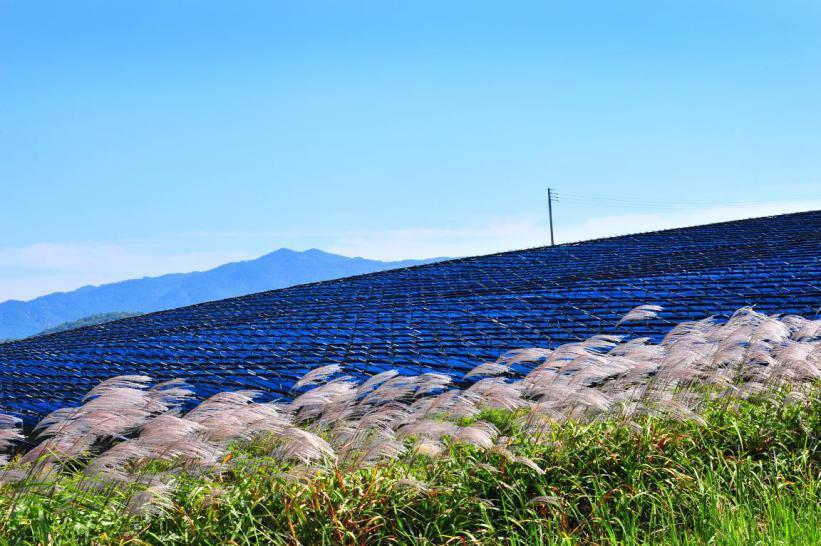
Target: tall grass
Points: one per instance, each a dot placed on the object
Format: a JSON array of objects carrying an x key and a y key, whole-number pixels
[{"x": 709, "y": 437}]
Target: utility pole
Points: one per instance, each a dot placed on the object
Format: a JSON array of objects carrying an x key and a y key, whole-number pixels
[{"x": 550, "y": 198}]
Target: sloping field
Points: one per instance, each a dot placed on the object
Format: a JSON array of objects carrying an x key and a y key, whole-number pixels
[
  {"x": 446, "y": 317},
  {"x": 707, "y": 437}
]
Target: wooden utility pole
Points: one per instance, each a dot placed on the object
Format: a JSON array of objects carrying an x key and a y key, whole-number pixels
[{"x": 550, "y": 198}]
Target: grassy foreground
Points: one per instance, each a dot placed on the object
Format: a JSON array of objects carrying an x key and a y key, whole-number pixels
[
  {"x": 709, "y": 436},
  {"x": 747, "y": 474}
]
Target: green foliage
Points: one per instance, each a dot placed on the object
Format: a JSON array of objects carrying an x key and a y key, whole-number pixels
[
  {"x": 91, "y": 320},
  {"x": 749, "y": 476}
]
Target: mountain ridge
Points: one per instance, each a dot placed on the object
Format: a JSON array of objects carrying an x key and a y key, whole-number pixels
[{"x": 278, "y": 269}]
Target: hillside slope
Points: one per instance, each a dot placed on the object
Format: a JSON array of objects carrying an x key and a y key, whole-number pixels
[
  {"x": 278, "y": 269},
  {"x": 444, "y": 317}
]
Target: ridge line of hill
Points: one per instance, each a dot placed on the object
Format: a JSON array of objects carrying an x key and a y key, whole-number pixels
[{"x": 279, "y": 269}]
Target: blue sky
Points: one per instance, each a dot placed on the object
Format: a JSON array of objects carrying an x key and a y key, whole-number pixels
[{"x": 144, "y": 137}]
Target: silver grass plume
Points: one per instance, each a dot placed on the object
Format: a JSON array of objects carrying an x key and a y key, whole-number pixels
[
  {"x": 9, "y": 434},
  {"x": 164, "y": 438},
  {"x": 155, "y": 499},
  {"x": 303, "y": 446},
  {"x": 642, "y": 312},
  {"x": 489, "y": 369},
  {"x": 235, "y": 416},
  {"x": 113, "y": 409},
  {"x": 317, "y": 375}
]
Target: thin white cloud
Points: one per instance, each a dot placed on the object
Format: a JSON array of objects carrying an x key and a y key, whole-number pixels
[
  {"x": 38, "y": 269},
  {"x": 500, "y": 234},
  {"x": 525, "y": 231},
  {"x": 42, "y": 268},
  {"x": 621, "y": 224}
]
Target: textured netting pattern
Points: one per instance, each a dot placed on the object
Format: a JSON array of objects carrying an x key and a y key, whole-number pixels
[{"x": 447, "y": 317}]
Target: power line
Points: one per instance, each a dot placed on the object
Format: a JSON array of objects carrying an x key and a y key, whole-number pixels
[
  {"x": 625, "y": 205},
  {"x": 648, "y": 204},
  {"x": 641, "y": 200}
]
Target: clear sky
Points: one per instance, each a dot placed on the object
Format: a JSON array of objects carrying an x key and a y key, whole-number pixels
[{"x": 143, "y": 137}]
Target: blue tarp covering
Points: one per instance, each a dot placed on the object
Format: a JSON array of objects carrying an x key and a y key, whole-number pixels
[{"x": 447, "y": 316}]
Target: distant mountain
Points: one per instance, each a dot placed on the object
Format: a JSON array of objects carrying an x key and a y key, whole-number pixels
[
  {"x": 278, "y": 269},
  {"x": 99, "y": 318}
]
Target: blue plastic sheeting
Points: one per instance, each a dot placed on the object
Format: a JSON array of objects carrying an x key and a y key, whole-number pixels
[{"x": 448, "y": 316}]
